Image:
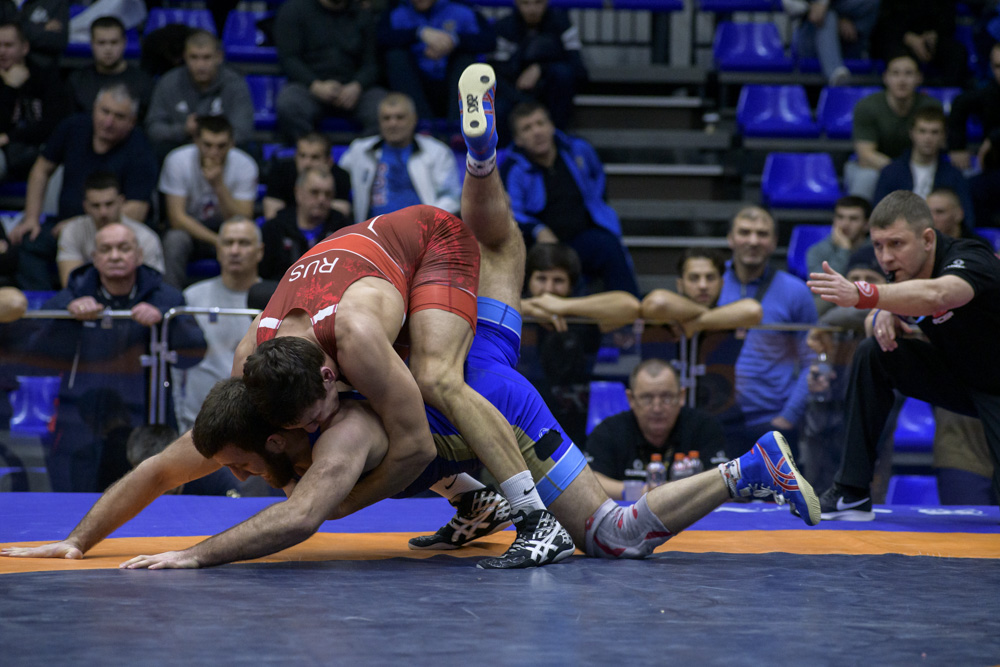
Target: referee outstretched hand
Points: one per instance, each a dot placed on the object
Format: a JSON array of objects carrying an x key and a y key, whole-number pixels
[{"x": 833, "y": 287}]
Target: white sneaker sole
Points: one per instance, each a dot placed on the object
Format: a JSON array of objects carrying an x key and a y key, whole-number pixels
[
  {"x": 848, "y": 515},
  {"x": 475, "y": 82}
]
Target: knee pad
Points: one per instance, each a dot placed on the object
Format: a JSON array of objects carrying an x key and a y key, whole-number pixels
[{"x": 624, "y": 532}]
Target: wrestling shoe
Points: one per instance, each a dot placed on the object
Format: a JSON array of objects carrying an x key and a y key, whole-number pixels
[
  {"x": 475, "y": 95},
  {"x": 541, "y": 540},
  {"x": 841, "y": 503},
  {"x": 478, "y": 514},
  {"x": 768, "y": 471}
]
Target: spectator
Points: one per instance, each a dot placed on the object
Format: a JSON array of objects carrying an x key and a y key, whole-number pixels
[
  {"x": 203, "y": 184},
  {"x": 924, "y": 167},
  {"x": 657, "y": 422},
  {"x": 107, "y": 42},
  {"x": 984, "y": 189},
  {"x": 558, "y": 357},
  {"x": 925, "y": 30},
  {"x": 311, "y": 150},
  {"x": 102, "y": 202},
  {"x": 556, "y": 186},
  {"x": 538, "y": 58},
  {"x": 770, "y": 390},
  {"x": 848, "y": 234},
  {"x": 982, "y": 103},
  {"x": 882, "y": 123},
  {"x": 106, "y": 141},
  {"x": 100, "y": 403},
  {"x": 203, "y": 86},
  {"x": 398, "y": 168},
  {"x": 32, "y": 102},
  {"x": 239, "y": 252},
  {"x": 45, "y": 23},
  {"x": 694, "y": 306},
  {"x": 427, "y": 45},
  {"x": 949, "y": 215},
  {"x": 832, "y": 30},
  {"x": 327, "y": 49},
  {"x": 299, "y": 227}
]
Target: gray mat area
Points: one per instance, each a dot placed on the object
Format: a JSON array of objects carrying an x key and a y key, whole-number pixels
[{"x": 683, "y": 609}]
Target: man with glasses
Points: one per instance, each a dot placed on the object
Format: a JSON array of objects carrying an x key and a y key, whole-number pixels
[{"x": 657, "y": 423}]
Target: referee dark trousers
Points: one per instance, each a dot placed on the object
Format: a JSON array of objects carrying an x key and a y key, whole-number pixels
[{"x": 919, "y": 370}]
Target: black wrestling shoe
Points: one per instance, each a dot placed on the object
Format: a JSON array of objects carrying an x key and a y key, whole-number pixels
[
  {"x": 541, "y": 540},
  {"x": 479, "y": 513}
]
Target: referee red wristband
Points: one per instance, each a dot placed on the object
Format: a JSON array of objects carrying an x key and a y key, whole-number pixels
[{"x": 867, "y": 295}]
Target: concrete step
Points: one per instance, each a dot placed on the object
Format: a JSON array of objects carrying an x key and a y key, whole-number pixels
[{"x": 664, "y": 181}]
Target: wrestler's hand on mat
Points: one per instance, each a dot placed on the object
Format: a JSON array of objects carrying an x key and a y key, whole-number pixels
[
  {"x": 168, "y": 560},
  {"x": 54, "y": 550},
  {"x": 833, "y": 287}
]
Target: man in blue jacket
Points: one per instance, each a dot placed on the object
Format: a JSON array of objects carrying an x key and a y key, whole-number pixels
[
  {"x": 556, "y": 185},
  {"x": 103, "y": 391},
  {"x": 925, "y": 167}
]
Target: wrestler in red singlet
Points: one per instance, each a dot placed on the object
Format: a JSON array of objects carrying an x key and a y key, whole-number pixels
[{"x": 428, "y": 255}]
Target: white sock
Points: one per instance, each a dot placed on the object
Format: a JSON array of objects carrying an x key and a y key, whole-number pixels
[
  {"x": 481, "y": 168},
  {"x": 731, "y": 474},
  {"x": 521, "y": 493},
  {"x": 456, "y": 485}
]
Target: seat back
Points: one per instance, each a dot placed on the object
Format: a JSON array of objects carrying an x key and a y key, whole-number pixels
[
  {"x": 913, "y": 490},
  {"x": 775, "y": 111},
  {"x": 264, "y": 95},
  {"x": 243, "y": 41},
  {"x": 195, "y": 18},
  {"x": 34, "y": 403},
  {"x": 750, "y": 47},
  {"x": 914, "y": 427},
  {"x": 804, "y": 237},
  {"x": 991, "y": 234},
  {"x": 835, "y": 111},
  {"x": 606, "y": 399},
  {"x": 800, "y": 180}
]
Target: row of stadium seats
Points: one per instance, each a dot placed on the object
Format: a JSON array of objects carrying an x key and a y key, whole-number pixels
[{"x": 784, "y": 111}]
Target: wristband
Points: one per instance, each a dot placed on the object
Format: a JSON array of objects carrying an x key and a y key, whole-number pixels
[{"x": 867, "y": 295}]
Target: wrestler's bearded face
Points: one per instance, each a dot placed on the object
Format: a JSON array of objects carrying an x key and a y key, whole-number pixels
[{"x": 276, "y": 468}]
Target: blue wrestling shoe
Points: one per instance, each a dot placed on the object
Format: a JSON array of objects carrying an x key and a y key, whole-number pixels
[
  {"x": 475, "y": 92},
  {"x": 768, "y": 470},
  {"x": 541, "y": 540},
  {"x": 478, "y": 514}
]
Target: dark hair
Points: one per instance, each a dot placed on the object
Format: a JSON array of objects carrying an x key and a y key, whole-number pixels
[
  {"x": 201, "y": 37},
  {"x": 753, "y": 212},
  {"x": 902, "y": 52},
  {"x": 315, "y": 138},
  {"x": 854, "y": 201},
  {"x": 17, "y": 28},
  {"x": 107, "y": 22},
  {"x": 929, "y": 115},
  {"x": 283, "y": 377},
  {"x": 902, "y": 204},
  {"x": 711, "y": 254},
  {"x": 148, "y": 440},
  {"x": 214, "y": 124},
  {"x": 229, "y": 417},
  {"x": 949, "y": 193},
  {"x": 523, "y": 110},
  {"x": 652, "y": 366},
  {"x": 548, "y": 256},
  {"x": 102, "y": 180}
]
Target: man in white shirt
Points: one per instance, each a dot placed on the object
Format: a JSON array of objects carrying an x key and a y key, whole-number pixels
[
  {"x": 102, "y": 201},
  {"x": 240, "y": 250},
  {"x": 203, "y": 184}
]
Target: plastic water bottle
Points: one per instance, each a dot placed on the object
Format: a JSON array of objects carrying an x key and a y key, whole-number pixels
[
  {"x": 656, "y": 472},
  {"x": 679, "y": 468},
  {"x": 694, "y": 462},
  {"x": 823, "y": 372}
]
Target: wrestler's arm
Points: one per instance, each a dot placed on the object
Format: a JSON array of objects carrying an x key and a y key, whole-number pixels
[
  {"x": 370, "y": 362},
  {"x": 339, "y": 457},
  {"x": 177, "y": 464}
]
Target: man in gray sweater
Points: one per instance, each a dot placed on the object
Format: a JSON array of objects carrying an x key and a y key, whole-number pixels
[
  {"x": 327, "y": 48},
  {"x": 203, "y": 86}
]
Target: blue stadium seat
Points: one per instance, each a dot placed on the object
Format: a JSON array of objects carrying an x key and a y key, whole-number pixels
[
  {"x": 943, "y": 95},
  {"x": 37, "y": 298},
  {"x": 804, "y": 237},
  {"x": 33, "y": 404},
  {"x": 750, "y": 47},
  {"x": 264, "y": 94},
  {"x": 854, "y": 65},
  {"x": 835, "y": 111},
  {"x": 800, "y": 180},
  {"x": 650, "y": 5},
  {"x": 913, "y": 490},
  {"x": 963, "y": 34},
  {"x": 914, "y": 427},
  {"x": 243, "y": 41},
  {"x": 606, "y": 399},
  {"x": 729, "y": 6},
  {"x": 775, "y": 111},
  {"x": 991, "y": 234},
  {"x": 83, "y": 50},
  {"x": 200, "y": 269},
  {"x": 196, "y": 18}
]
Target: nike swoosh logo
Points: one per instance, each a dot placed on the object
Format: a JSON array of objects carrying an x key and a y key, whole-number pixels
[
  {"x": 529, "y": 490},
  {"x": 841, "y": 505}
]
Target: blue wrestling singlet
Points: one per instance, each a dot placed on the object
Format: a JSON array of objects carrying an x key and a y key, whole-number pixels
[{"x": 552, "y": 458}]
